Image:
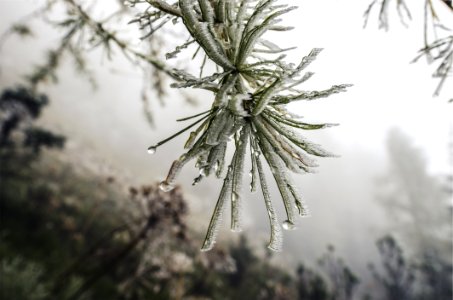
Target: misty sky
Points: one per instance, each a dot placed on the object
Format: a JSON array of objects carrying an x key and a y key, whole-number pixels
[{"x": 108, "y": 125}]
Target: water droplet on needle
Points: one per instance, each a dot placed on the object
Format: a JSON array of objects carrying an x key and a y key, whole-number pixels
[
  {"x": 288, "y": 225},
  {"x": 165, "y": 186},
  {"x": 152, "y": 149}
]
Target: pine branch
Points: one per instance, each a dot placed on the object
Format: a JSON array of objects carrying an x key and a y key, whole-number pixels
[{"x": 248, "y": 107}]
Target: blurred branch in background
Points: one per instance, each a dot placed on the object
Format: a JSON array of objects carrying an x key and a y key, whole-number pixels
[
  {"x": 437, "y": 37},
  {"x": 83, "y": 34}
]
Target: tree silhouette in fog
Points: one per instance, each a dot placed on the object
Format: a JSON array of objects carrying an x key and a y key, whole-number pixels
[{"x": 415, "y": 202}]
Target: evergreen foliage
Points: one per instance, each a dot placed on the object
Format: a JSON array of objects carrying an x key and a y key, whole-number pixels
[
  {"x": 251, "y": 87},
  {"x": 18, "y": 108},
  {"x": 251, "y": 90}
]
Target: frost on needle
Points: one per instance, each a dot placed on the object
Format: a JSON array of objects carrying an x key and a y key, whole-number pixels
[{"x": 251, "y": 88}]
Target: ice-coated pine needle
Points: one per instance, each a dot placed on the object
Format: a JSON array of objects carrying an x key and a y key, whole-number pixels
[{"x": 251, "y": 87}]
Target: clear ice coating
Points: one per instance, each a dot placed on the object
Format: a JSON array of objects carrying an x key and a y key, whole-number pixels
[
  {"x": 152, "y": 149},
  {"x": 165, "y": 186},
  {"x": 234, "y": 197},
  {"x": 249, "y": 107},
  {"x": 252, "y": 188},
  {"x": 288, "y": 225},
  {"x": 204, "y": 171}
]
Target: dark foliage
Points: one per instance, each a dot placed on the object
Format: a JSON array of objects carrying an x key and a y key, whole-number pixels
[
  {"x": 429, "y": 278},
  {"x": 71, "y": 235},
  {"x": 18, "y": 108}
]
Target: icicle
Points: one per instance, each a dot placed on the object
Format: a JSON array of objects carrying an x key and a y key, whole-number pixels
[
  {"x": 221, "y": 161},
  {"x": 276, "y": 239},
  {"x": 169, "y": 183},
  {"x": 219, "y": 209},
  {"x": 216, "y": 128},
  {"x": 254, "y": 171},
  {"x": 238, "y": 170},
  {"x": 300, "y": 203},
  {"x": 278, "y": 172}
]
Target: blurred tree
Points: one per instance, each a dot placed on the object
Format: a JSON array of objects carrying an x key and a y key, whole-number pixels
[
  {"x": 19, "y": 107},
  {"x": 22, "y": 280},
  {"x": 435, "y": 277},
  {"x": 310, "y": 285},
  {"x": 415, "y": 202},
  {"x": 398, "y": 279},
  {"x": 343, "y": 281},
  {"x": 418, "y": 207},
  {"x": 428, "y": 277}
]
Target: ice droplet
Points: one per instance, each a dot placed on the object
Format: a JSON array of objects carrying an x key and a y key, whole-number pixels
[
  {"x": 203, "y": 172},
  {"x": 165, "y": 186},
  {"x": 152, "y": 149},
  {"x": 251, "y": 173},
  {"x": 234, "y": 196},
  {"x": 252, "y": 188},
  {"x": 129, "y": 3},
  {"x": 216, "y": 166},
  {"x": 288, "y": 225}
]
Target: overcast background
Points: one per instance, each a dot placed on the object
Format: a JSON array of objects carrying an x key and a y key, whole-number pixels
[{"x": 108, "y": 125}]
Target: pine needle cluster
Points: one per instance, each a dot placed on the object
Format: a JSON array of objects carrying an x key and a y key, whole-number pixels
[{"x": 251, "y": 89}]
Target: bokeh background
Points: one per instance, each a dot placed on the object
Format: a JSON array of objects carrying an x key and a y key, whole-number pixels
[{"x": 392, "y": 181}]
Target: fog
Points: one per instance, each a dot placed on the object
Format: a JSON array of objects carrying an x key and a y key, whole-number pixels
[{"x": 107, "y": 126}]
